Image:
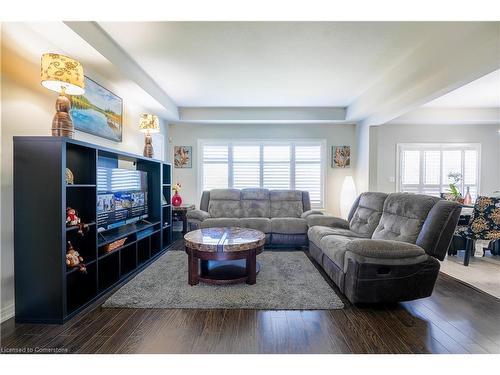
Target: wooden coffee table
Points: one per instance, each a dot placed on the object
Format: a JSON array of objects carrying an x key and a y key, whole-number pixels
[{"x": 224, "y": 255}]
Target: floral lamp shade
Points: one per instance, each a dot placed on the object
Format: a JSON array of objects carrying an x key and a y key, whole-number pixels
[
  {"x": 62, "y": 74},
  {"x": 149, "y": 123}
]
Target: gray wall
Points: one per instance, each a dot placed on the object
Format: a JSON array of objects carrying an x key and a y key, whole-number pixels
[
  {"x": 335, "y": 134},
  {"x": 386, "y": 138}
]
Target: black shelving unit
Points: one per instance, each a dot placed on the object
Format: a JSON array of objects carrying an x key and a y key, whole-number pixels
[{"x": 46, "y": 290}]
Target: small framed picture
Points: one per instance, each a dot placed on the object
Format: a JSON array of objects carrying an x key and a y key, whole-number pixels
[
  {"x": 183, "y": 157},
  {"x": 341, "y": 156}
]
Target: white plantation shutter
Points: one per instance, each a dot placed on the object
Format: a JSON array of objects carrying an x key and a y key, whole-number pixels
[
  {"x": 424, "y": 168},
  {"x": 246, "y": 166},
  {"x": 215, "y": 167},
  {"x": 276, "y": 167},
  {"x": 308, "y": 172},
  {"x": 270, "y": 165}
]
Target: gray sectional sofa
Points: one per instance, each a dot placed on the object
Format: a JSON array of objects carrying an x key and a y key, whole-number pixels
[
  {"x": 280, "y": 214},
  {"x": 386, "y": 251},
  {"x": 388, "y": 248}
]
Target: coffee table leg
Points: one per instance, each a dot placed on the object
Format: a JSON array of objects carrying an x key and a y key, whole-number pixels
[
  {"x": 251, "y": 265},
  {"x": 192, "y": 268}
]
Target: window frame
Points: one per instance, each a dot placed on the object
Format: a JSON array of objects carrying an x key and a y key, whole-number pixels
[
  {"x": 436, "y": 146},
  {"x": 261, "y": 142}
]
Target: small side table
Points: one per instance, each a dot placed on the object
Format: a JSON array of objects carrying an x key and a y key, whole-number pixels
[{"x": 180, "y": 212}]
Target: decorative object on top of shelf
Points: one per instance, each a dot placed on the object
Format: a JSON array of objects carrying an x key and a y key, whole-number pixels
[
  {"x": 341, "y": 156},
  {"x": 70, "y": 178},
  {"x": 176, "y": 198},
  {"x": 99, "y": 112},
  {"x": 183, "y": 156},
  {"x": 73, "y": 220},
  {"x": 149, "y": 124},
  {"x": 454, "y": 195},
  {"x": 73, "y": 259},
  {"x": 64, "y": 75}
]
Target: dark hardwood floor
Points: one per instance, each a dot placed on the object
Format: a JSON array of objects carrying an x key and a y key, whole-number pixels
[{"x": 455, "y": 319}]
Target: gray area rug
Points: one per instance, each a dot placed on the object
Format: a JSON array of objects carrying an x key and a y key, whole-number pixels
[{"x": 287, "y": 281}]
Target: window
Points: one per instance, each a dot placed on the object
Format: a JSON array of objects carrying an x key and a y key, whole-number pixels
[
  {"x": 265, "y": 164},
  {"x": 424, "y": 168}
]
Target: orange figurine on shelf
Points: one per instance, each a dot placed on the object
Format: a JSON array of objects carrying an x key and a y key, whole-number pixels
[{"x": 176, "y": 198}]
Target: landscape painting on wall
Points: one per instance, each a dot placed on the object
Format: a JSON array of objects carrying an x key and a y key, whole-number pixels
[
  {"x": 341, "y": 156},
  {"x": 98, "y": 112}
]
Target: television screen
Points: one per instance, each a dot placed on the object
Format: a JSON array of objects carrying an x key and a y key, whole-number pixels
[{"x": 122, "y": 197}]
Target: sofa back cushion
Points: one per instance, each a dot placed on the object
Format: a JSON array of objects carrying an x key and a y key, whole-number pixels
[
  {"x": 365, "y": 216},
  {"x": 255, "y": 203},
  {"x": 403, "y": 216},
  {"x": 224, "y": 203},
  {"x": 439, "y": 227},
  {"x": 286, "y": 203}
]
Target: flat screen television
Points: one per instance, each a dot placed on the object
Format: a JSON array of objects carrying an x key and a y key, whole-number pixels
[{"x": 122, "y": 197}]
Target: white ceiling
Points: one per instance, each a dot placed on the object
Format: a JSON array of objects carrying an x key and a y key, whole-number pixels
[
  {"x": 267, "y": 64},
  {"x": 481, "y": 93}
]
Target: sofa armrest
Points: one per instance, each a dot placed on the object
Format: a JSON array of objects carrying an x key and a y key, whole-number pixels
[
  {"x": 384, "y": 249},
  {"x": 307, "y": 213},
  {"x": 197, "y": 215},
  {"x": 327, "y": 221}
]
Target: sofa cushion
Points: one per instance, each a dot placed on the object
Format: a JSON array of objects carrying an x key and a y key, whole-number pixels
[
  {"x": 286, "y": 203},
  {"x": 367, "y": 215},
  {"x": 316, "y": 233},
  {"x": 288, "y": 225},
  {"x": 403, "y": 216},
  {"x": 384, "y": 249},
  {"x": 335, "y": 247},
  {"x": 259, "y": 223},
  {"x": 255, "y": 203},
  {"x": 220, "y": 222},
  {"x": 224, "y": 203}
]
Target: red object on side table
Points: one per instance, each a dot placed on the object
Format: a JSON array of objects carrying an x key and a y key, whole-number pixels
[{"x": 176, "y": 200}]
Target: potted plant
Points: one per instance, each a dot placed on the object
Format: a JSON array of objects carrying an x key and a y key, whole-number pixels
[{"x": 455, "y": 178}]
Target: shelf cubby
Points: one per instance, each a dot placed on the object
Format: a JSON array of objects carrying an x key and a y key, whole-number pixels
[
  {"x": 156, "y": 243},
  {"x": 85, "y": 245},
  {"x": 80, "y": 287},
  {"x": 128, "y": 261},
  {"x": 109, "y": 271},
  {"x": 81, "y": 160},
  {"x": 143, "y": 250}
]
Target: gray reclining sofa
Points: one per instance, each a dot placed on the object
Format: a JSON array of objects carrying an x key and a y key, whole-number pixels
[
  {"x": 386, "y": 251},
  {"x": 280, "y": 214}
]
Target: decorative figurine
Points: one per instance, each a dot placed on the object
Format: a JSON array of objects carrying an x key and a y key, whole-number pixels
[
  {"x": 72, "y": 220},
  {"x": 176, "y": 198},
  {"x": 74, "y": 259},
  {"x": 70, "y": 179}
]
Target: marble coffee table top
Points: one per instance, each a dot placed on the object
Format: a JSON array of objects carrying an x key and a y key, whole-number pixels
[{"x": 224, "y": 239}]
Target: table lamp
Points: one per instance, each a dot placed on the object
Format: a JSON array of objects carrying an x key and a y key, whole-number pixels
[
  {"x": 148, "y": 124},
  {"x": 64, "y": 75}
]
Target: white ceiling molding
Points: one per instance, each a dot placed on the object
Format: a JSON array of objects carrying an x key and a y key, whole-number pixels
[
  {"x": 448, "y": 60},
  {"x": 262, "y": 114},
  {"x": 105, "y": 45},
  {"x": 449, "y": 116}
]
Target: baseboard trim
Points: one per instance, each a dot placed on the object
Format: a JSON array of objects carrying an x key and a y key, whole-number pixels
[{"x": 6, "y": 313}]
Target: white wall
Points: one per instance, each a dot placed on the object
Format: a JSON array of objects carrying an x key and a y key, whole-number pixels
[
  {"x": 387, "y": 137},
  {"x": 335, "y": 134},
  {"x": 28, "y": 109}
]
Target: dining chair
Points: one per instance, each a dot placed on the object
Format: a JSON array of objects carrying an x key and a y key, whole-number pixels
[{"x": 484, "y": 224}]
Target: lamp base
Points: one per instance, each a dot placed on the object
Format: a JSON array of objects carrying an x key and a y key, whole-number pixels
[
  {"x": 62, "y": 126},
  {"x": 148, "y": 146}
]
